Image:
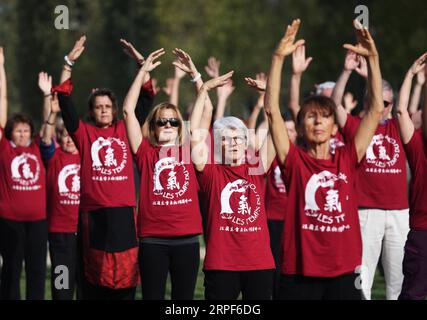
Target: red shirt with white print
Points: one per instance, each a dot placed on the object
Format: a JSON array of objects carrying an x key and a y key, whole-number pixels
[
  {"x": 63, "y": 188},
  {"x": 275, "y": 194},
  {"x": 106, "y": 166},
  {"x": 337, "y": 141},
  {"x": 381, "y": 182},
  {"x": 22, "y": 182},
  {"x": 237, "y": 237},
  {"x": 322, "y": 231},
  {"x": 168, "y": 203},
  {"x": 417, "y": 157}
]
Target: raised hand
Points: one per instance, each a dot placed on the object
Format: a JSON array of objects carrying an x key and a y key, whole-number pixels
[
  {"x": 150, "y": 64},
  {"x": 226, "y": 90},
  {"x": 169, "y": 86},
  {"x": 365, "y": 45},
  {"x": 362, "y": 68},
  {"x": 1, "y": 56},
  {"x": 179, "y": 74},
  {"x": 184, "y": 62},
  {"x": 54, "y": 104},
  {"x": 419, "y": 65},
  {"x": 352, "y": 61},
  {"x": 349, "y": 102},
  {"x": 212, "y": 69},
  {"x": 299, "y": 62},
  {"x": 79, "y": 47},
  {"x": 130, "y": 50},
  {"x": 287, "y": 44},
  {"x": 45, "y": 83},
  {"x": 259, "y": 84},
  {"x": 218, "y": 81}
]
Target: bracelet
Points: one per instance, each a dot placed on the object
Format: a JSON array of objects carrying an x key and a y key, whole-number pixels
[
  {"x": 47, "y": 95},
  {"x": 197, "y": 77},
  {"x": 49, "y": 123},
  {"x": 68, "y": 61}
]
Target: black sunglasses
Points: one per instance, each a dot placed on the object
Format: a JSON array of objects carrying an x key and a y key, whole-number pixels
[{"x": 174, "y": 122}]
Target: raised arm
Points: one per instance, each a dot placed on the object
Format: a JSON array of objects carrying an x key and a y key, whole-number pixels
[
  {"x": 277, "y": 125},
  {"x": 70, "y": 59},
  {"x": 45, "y": 86},
  {"x": 405, "y": 123},
  {"x": 259, "y": 84},
  {"x": 133, "y": 126},
  {"x": 416, "y": 94},
  {"x": 299, "y": 65},
  {"x": 50, "y": 122},
  {"x": 351, "y": 62},
  {"x": 366, "y": 47},
  {"x": 223, "y": 93},
  {"x": 199, "y": 128},
  {"x": 3, "y": 91}
]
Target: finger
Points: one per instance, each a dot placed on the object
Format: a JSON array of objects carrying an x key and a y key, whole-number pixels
[
  {"x": 156, "y": 65},
  {"x": 351, "y": 47},
  {"x": 308, "y": 61},
  {"x": 299, "y": 43}
]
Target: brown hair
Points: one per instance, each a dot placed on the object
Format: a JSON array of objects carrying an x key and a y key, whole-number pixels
[
  {"x": 99, "y": 93},
  {"x": 14, "y": 120},
  {"x": 153, "y": 117}
]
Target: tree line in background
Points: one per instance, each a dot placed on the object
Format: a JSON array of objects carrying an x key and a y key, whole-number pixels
[{"x": 240, "y": 33}]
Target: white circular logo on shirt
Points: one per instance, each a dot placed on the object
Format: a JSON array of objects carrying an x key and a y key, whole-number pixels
[
  {"x": 383, "y": 151},
  {"x": 237, "y": 205},
  {"x": 25, "y": 169},
  {"x": 109, "y": 155},
  {"x": 170, "y": 178},
  {"x": 69, "y": 181}
]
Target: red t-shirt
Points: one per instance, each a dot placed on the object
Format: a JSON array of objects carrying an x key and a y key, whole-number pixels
[
  {"x": 322, "y": 232},
  {"x": 168, "y": 203},
  {"x": 416, "y": 153},
  {"x": 336, "y": 141},
  {"x": 275, "y": 194},
  {"x": 381, "y": 181},
  {"x": 106, "y": 166},
  {"x": 22, "y": 182},
  {"x": 237, "y": 237},
  {"x": 63, "y": 188}
]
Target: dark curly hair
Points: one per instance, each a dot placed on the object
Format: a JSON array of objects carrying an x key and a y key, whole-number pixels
[{"x": 14, "y": 120}]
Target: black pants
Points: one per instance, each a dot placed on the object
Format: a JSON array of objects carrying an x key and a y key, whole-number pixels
[
  {"x": 227, "y": 285},
  {"x": 275, "y": 228},
  {"x": 63, "y": 254},
  {"x": 181, "y": 261},
  {"x": 297, "y": 287},
  {"x": 23, "y": 240}
]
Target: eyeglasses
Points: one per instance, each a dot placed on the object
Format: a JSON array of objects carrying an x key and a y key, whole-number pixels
[
  {"x": 387, "y": 103},
  {"x": 238, "y": 140},
  {"x": 174, "y": 122}
]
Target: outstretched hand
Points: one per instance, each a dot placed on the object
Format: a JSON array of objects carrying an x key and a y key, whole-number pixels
[
  {"x": 79, "y": 47},
  {"x": 288, "y": 45},
  {"x": 45, "y": 83},
  {"x": 352, "y": 61},
  {"x": 130, "y": 50},
  {"x": 212, "y": 69},
  {"x": 299, "y": 62},
  {"x": 260, "y": 84},
  {"x": 150, "y": 64},
  {"x": 365, "y": 45},
  {"x": 419, "y": 65},
  {"x": 184, "y": 62},
  {"x": 218, "y": 81}
]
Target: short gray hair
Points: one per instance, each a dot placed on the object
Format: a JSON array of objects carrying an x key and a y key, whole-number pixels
[{"x": 222, "y": 124}]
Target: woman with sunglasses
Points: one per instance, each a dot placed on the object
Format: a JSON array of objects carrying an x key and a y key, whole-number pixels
[
  {"x": 107, "y": 226},
  {"x": 169, "y": 220},
  {"x": 322, "y": 247}
]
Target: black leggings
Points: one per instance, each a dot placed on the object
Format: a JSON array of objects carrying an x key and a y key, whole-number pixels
[
  {"x": 23, "y": 240},
  {"x": 275, "y": 228},
  {"x": 156, "y": 260},
  {"x": 63, "y": 252},
  {"x": 227, "y": 285},
  {"x": 297, "y": 287}
]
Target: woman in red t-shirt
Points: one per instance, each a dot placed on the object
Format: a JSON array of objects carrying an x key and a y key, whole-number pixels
[
  {"x": 322, "y": 246},
  {"x": 238, "y": 255},
  {"x": 23, "y": 226},
  {"x": 169, "y": 219},
  {"x": 414, "y": 285}
]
